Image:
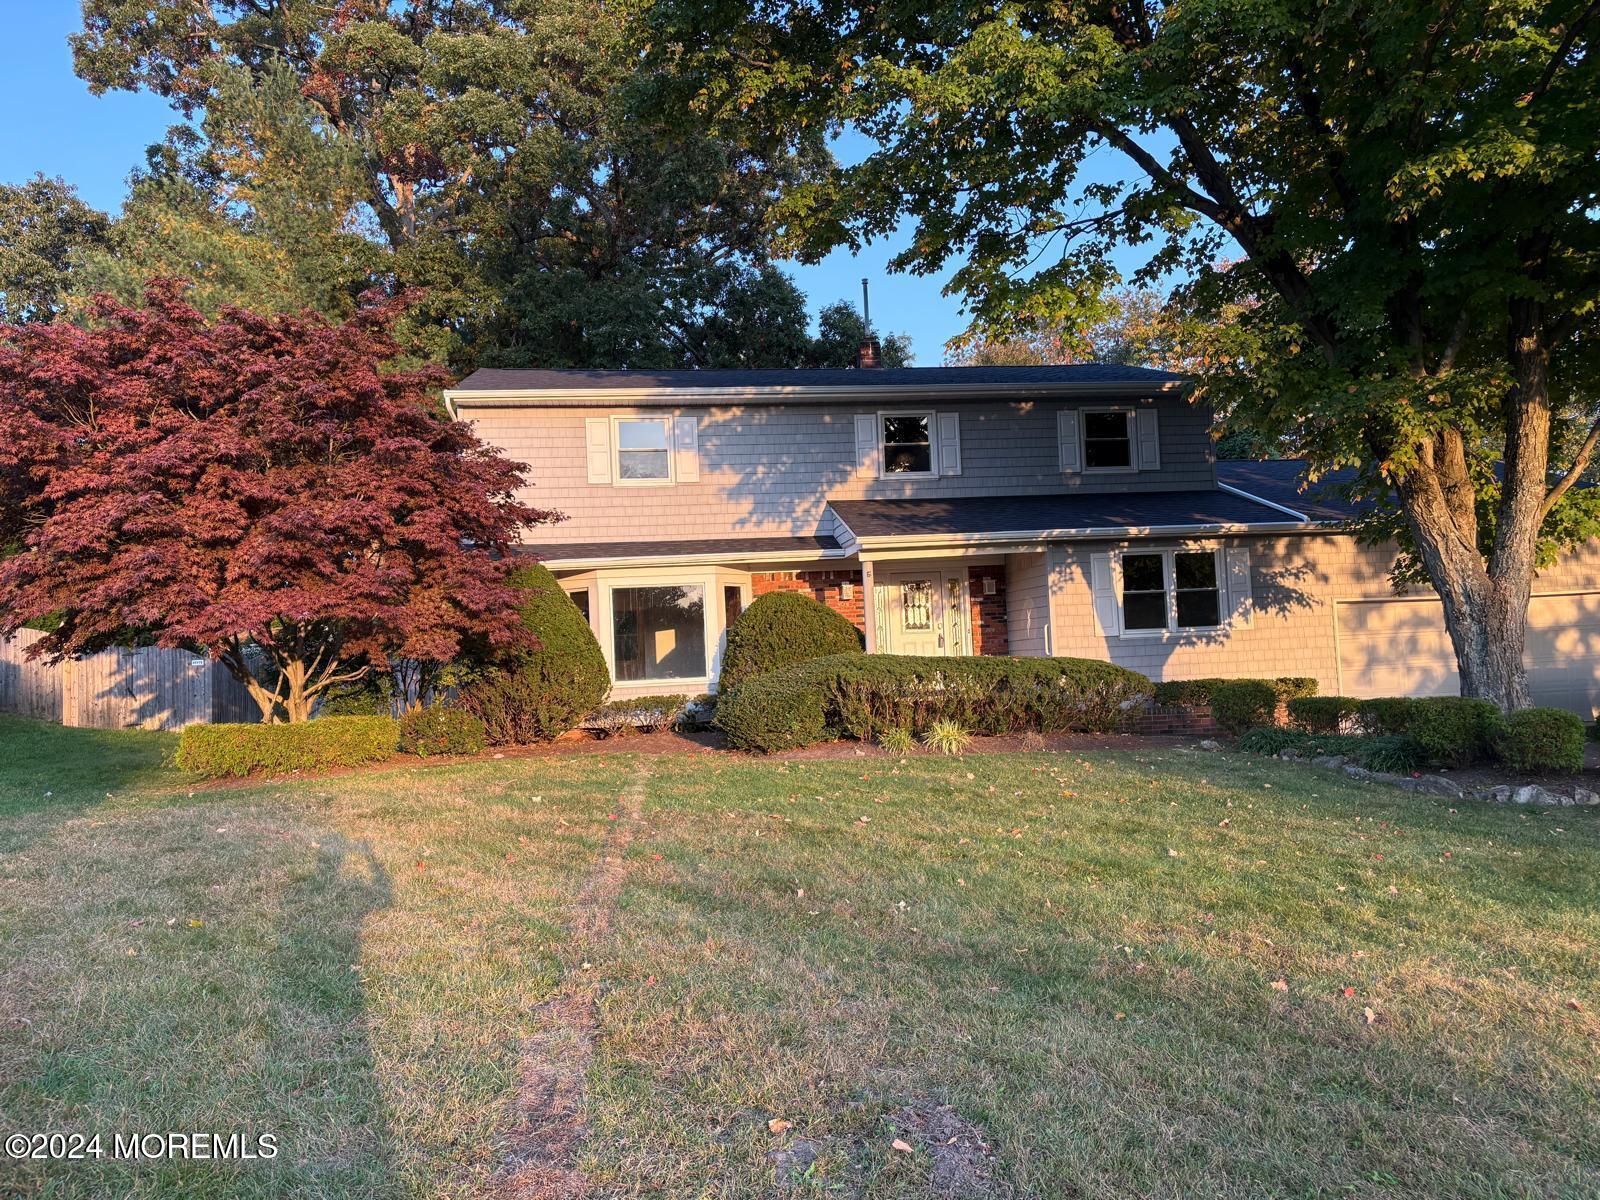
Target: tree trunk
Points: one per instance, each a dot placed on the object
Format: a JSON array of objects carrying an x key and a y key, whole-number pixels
[{"x": 1485, "y": 604}]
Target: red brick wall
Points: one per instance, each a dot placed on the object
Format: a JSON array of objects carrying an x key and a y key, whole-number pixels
[
  {"x": 988, "y": 612},
  {"x": 825, "y": 586}
]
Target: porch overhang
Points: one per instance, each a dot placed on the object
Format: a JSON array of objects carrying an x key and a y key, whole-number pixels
[
  {"x": 687, "y": 552},
  {"x": 883, "y": 529}
]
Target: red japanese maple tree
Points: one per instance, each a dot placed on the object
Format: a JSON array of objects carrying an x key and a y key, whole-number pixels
[{"x": 279, "y": 492}]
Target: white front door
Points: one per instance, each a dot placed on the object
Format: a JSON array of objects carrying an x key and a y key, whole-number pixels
[{"x": 928, "y": 612}]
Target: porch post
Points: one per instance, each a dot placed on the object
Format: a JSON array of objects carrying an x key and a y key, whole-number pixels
[{"x": 869, "y": 606}]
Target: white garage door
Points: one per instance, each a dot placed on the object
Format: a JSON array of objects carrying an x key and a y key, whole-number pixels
[{"x": 1400, "y": 648}]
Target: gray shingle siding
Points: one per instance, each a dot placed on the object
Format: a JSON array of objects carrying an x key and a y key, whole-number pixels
[{"x": 770, "y": 469}]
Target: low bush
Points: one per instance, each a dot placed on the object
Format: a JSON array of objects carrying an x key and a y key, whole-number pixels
[
  {"x": 779, "y": 630},
  {"x": 541, "y": 694},
  {"x": 1322, "y": 714},
  {"x": 865, "y": 696},
  {"x": 1397, "y": 754},
  {"x": 947, "y": 738},
  {"x": 1191, "y": 693},
  {"x": 646, "y": 714},
  {"x": 1541, "y": 739},
  {"x": 1242, "y": 704},
  {"x": 438, "y": 730},
  {"x": 898, "y": 741},
  {"x": 1455, "y": 731},
  {"x": 1270, "y": 739},
  {"x": 1386, "y": 714},
  {"x": 218, "y": 750}
]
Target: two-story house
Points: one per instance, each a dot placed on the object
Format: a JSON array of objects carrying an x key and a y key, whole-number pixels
[{"x": 1070, "y": 510}]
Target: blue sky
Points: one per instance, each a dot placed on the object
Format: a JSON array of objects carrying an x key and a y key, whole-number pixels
[{"x": 57, "y": 127}]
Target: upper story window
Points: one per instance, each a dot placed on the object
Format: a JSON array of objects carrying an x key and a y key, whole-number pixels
[
  {"x": 907, "y": 443},
  {"x": 644, "y": 449},
  {"x": 1107, "y": 441},
  {"x": 1170, "y": 590}
]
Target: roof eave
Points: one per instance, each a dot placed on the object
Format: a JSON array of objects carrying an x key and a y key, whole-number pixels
[
  {"x": 554, "y": 560},
  {"x": 803, "y": 393},
  {"x": 869, "y": 543}
]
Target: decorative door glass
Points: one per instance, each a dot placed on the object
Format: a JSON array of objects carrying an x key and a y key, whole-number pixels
[{"x": 916, "y": 604}]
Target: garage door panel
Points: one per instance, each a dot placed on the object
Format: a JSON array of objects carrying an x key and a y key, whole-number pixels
[{"x": 1401, "y": 648}]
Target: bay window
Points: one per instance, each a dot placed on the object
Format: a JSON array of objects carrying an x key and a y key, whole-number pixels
[{"x": 659, "y": 632}]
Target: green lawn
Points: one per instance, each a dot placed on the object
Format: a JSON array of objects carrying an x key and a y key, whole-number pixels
[{"x": 1125, "y": 973}]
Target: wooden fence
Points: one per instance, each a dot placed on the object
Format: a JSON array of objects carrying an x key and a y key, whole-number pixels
[{"x": 143, "y": 688}]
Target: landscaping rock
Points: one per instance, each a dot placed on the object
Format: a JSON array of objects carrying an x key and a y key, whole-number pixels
[{"x": 1534, "y": 794}]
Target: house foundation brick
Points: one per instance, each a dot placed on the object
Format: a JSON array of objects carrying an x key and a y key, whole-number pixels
[{"x": 826, "y": 587}]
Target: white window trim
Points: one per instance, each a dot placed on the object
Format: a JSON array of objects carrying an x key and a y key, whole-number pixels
[
  {"x": 1169, "y": 581},
  {"x": 616, "y": 452},
  {"x": 933, "y": 444},
  {"x": 1129, "y": 422}
]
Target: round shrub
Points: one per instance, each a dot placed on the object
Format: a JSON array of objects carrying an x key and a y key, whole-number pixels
[
  {"x": 779, "y": 630},
  {"x": 783, "y": 710},
  {"x": 1387, "y": 714},
  {"x": 1541, "y": 739},
  {"x": 1322, "y": 714},
  {"x": 1455, "y": 731},
  {"x": 1243, "y": 704},
  {"x": 540, "y": 694},
  {"x": 437, "y": 730}
]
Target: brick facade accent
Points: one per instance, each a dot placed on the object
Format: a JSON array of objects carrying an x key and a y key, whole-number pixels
[
  {"x": 1160, "y": 719},
  {"x": 826, "y": 586},
  {"x": 988, "y": 612}
]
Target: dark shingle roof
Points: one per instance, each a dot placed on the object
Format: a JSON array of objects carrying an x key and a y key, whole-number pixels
[
  {"x": 744, "y": 547},
  {"x": 499, "y": 379},
  {"x": 1281, "y": 481},
  {"x": 1031, "y": 514}
]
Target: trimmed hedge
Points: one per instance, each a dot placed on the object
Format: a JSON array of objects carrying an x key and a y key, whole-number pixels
[
  {"x": 437, "y": 730},
  {"x": 1322, "y": 714},
  {"x": 217, "y": 750},
  {"x": 1541, "y": 739},
  {"x": 865, "y": 696},
  {"x": 540, "y": 694},
  {"x": 1396, "y": 754},
  {"x": 1455, "y": 731},
  {"x": 779, "y": 630},
  {"x": 1240, "y": 704},
  {"x": 1190, "y": 693},
  {"x": 1387, "y": 714}
]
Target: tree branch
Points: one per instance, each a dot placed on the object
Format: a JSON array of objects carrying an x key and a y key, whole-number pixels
[{"x": 1580, "y": 463}]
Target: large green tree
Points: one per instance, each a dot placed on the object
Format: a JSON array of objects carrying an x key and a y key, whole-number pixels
[
  {"x": 43, "y": 224},
  {"x": 500, "y": 160},
  {"x": 1399, "y": 198}
]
